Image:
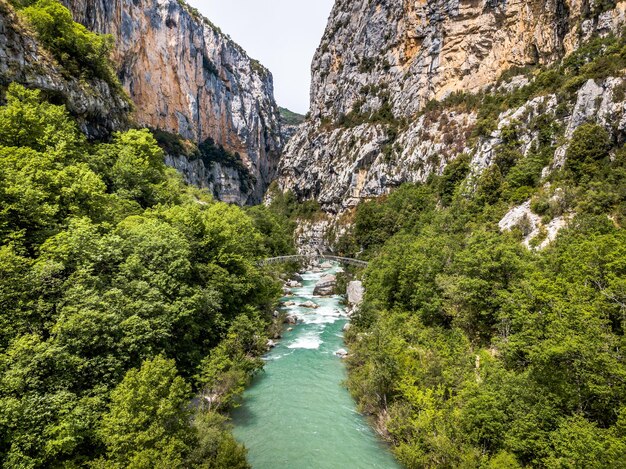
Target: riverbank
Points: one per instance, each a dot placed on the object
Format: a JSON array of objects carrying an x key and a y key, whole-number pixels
[{"x": 297, "y": 413}]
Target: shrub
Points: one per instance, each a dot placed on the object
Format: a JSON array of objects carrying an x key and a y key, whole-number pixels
[
  {"x": 78, "y": 50},
  {"x": 590, "y": 143}
]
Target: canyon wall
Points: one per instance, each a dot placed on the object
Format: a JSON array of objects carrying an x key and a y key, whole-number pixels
[
  {"x": 187, "y": 77},
  {"x": 380, "y": 64}
]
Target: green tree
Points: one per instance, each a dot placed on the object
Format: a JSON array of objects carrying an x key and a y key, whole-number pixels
[
  {"x": 590, "y": 144},
  {"x": 147, "y": 425}
]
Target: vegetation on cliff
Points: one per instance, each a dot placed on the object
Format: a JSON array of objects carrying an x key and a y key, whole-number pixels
[
  {"x": 124, "y": 293},
  {"x": 80, "y": 51},
  {"x": 472, "y": 350}
]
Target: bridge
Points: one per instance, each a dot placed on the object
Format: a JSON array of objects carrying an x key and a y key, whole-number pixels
[{"x": 286, "y": 259}]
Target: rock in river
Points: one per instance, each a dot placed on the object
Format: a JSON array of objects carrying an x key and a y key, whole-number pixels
[
  {"x": 342, "y": 353},
  {"x": 310, "y": 304},
  {"x": 326, "y": 286},
  {"x": 291, "y": 319}
]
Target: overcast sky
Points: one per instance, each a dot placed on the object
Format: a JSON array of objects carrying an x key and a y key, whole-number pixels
[{"x": 282, "y": 34}]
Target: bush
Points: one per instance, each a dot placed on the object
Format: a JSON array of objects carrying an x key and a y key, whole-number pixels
[
  {"x": 590, "y": 144},
  {"x": 78, "y": 50}
]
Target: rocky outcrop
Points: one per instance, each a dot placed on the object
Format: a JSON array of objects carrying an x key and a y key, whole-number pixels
[
  {"x": 317, "y": 237},
  {"x": 186, "y": 77},
  {"x": 355, "y": 293},
  {"x": 325, "y": 286},
  {"x": 98, "y": 107},
  {"x": 380, "y": 63}
]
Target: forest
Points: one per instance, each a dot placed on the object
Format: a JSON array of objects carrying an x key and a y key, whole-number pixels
[
  {"x": 124, "y": 294},
  {"x": 473, "y": 350}
]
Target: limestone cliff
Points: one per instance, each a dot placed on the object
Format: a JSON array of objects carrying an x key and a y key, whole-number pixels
[
  {"x": 381, "y": 62},
  {"x": 98, "y": 107},
  {"x": 187, "y": 77}
]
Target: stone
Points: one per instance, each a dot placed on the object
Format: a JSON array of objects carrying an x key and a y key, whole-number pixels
[
  {"x": 309, "y": 304},
  {"x": 346, "y": 327},
  {"x": 271, "y": 344},
  {"x": 293, "y": 284},
  {"x": 355, "y": 292},
  {"x": 342, "y": 353},
  {"x": 291, "y": 319},
  {"x": 326, "y": 266},
  {"x": 289, "y": 303},
  {"x": 325, "y": 286}
]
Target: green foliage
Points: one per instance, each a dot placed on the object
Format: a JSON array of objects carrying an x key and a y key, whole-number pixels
[
  {"x": 290, "y": 117},
  {"x": 78, "y": 50},
  {"x": 147, "y": 424},
  {"x": 590, "y": 144},
  {"x": 286, "y": 205},
  {"x": 476, "y": 352},
  {"x": 227, "y": 370},
  {"x": 110, "y": 269}
]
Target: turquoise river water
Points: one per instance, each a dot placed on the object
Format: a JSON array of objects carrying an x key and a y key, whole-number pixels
[{"x": 297, "y": 414}]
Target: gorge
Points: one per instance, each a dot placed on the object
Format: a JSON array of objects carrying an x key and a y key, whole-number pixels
[{"x": 469, "y": 157}]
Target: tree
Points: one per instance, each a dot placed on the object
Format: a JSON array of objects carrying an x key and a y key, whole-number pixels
[
  {"x": 147, "y": 424},
  {"x": 590, "y": 144}
]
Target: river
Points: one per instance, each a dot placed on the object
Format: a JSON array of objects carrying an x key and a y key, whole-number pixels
[{"x": 297, "y": 414}]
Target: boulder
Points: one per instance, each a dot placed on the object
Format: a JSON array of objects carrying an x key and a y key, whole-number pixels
[
  {"x": 291, "y": 319},
  {"x": 293, "y": 284},
  {"x": 355, "y": 292},
  {"x": 290, "y": 303},
  {"x": 342, "y": 353},
  {"x": 346, "y": 327},
  {"x": 297, "y": 277},
  {"x": 309, "y": 304},
  {"x": 271, "y": 344},
  {"x": 326, "y": 265},
  {"x": 326, "y": 286}
]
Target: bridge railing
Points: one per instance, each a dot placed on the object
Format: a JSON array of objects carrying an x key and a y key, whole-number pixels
[{"x": 298, "y": 258}]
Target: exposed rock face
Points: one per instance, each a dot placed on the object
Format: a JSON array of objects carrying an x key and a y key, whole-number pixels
[
  {"x": 98, "y": 108},
  {"x": 355, "y": 292},
  {"x": 325, "y": 286},
  {"x": 379, "y": 63},
  {"x": 185, "y": 76}
]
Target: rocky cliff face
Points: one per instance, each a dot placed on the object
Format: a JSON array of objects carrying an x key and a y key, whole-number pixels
[
  {"x": 185, "y": 76},
  {"x": 98, "y": 108},
  {"x": 381, "y": 62}
]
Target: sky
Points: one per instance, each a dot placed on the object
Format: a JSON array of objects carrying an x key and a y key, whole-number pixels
[{"x": 282, "y": 34}]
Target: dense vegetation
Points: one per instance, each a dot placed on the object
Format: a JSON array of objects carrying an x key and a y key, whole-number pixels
[
  {"x": 290, "y": 117},
  {"x": 79, "y": 51},
  {"x": 123, "y": 293},
  {"x": 472, "y": 350}
]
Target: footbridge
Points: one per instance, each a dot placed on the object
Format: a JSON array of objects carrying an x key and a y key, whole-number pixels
[{"x": 310, "y": 259}]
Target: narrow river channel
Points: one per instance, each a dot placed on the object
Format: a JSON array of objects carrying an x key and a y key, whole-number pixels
[{"x": 297, "y": 414}]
